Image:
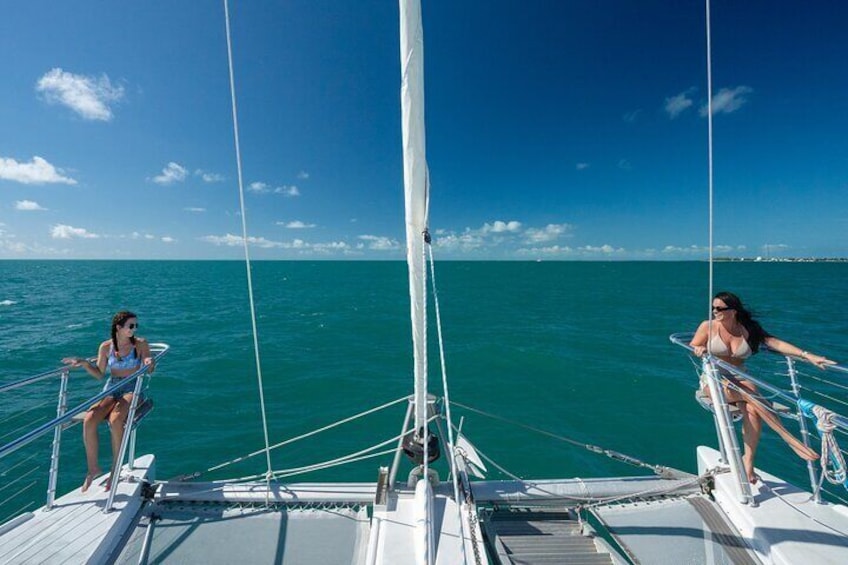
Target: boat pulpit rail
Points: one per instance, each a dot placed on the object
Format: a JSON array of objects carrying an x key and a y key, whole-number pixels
[
  {"x": 65, "y": 417},
  {"x": 797, "y": 396}
]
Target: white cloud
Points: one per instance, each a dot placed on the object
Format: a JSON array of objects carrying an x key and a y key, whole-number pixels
[
  {"x": 380, "y": 243},
  {"x": 728, "y": 100},
  {"x": 173, "y": 172},
  {"x": 37, "y": 171},
  {"x": 258, "y": 187},
  {"x": 701, "y": 249},
  {"x": 168, "y": 239},
  {"x": 28, "y": 206},
  {"x": 582, "y": 166},
  {"x": 287, "y": 190},
  {"x": 548, "y": 233},
  {"x": 194, "y": 209},
  {"x": 605, "y": 249},
  {"x": 90, "y": 97},
  {"x": 62, "y": 231},
  {"x": 675, "y": 105},
  {"x": 302, "y": 175},
  {"x": 206, "y": 176},
  {"x": 464, "y": 242},
  {"x": 296, "y": 225},
  {"x": 501, "y": 227},
  {"x": 231, "y": 240}
]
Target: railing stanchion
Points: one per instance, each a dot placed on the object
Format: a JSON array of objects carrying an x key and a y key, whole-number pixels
[
  {"x": 805, "y": 433},
  {"x": 396, "y": 461},
  {"x": 727, "y": 433},
  {"x": 115, "y": 475},
  {"x": 61, "y": 407}
]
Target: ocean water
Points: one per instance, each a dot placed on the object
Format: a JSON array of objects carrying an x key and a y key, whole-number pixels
[{"x": 579, "y": 349}]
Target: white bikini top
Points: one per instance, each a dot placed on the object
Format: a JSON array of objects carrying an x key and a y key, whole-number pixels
[{"x": 718, "y": 347}]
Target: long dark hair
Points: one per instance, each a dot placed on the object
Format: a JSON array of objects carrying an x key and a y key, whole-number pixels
[
  {"x": 120, "y": 319},
  {"x": 756, "y": 333}
]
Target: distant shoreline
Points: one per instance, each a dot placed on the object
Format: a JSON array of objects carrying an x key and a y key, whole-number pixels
[{"x": 782, "y": 259}]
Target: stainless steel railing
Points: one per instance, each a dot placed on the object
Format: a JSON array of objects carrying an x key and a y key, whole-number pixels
[{"x": 65, "y": 416}]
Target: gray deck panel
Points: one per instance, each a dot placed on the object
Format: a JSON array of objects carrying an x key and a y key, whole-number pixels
[
  {"x": 674, "y": 531},
  {"x": 216, "y": 533}
]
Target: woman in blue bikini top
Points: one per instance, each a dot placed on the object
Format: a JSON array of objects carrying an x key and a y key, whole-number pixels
[{"x": 121, "y": 356}]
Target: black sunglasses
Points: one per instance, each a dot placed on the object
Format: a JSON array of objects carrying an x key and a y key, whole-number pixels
[
  {"x": 132, "y": 326},
  {"x": 721, "y": 308}
]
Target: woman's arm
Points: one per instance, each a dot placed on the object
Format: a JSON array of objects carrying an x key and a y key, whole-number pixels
[
  {"x": 146, "y": 357},
  {"x": 787, "y": 348},
  {"x": 699, "y": 340},
  {"x": 98, "y": 370}
]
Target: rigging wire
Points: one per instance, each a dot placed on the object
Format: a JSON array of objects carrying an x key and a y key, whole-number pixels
[
  {"x": 658, "y": 469},
  {"x": 451, "y": 446},
  {"x": 307, "y": 434},
  {"x": 243, "y": 212}
]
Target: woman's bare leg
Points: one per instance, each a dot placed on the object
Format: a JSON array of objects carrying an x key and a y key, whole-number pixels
[
  {"x": 89, "y": 437},
  {"x": 752, "y": 429},
  {"x": 117, "y": 421},
  {"x": 756, "y": 412}
]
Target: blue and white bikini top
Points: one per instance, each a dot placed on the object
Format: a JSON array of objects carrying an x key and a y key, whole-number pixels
[{"x": 131, "y": 361}]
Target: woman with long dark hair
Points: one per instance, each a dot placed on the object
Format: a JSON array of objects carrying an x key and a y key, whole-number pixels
[
  {"x": 121, "y": 355},
  {"x": 733, "y": 335}
]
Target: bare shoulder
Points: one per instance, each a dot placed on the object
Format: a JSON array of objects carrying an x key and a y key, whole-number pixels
[
  {"x": 105, "y": 345},
  {"x": 705, "y": 325},
  {"x": 142, "y": 343}
]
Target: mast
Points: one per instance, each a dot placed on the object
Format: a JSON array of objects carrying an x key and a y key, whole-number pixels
[{"x": 415, "y": 190}]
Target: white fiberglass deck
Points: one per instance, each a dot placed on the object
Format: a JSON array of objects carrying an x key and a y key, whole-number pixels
[
  {"x": 76, "y": 530},
  {"x": 396, "y": 530},
  {"x": 786, "y": 527}
]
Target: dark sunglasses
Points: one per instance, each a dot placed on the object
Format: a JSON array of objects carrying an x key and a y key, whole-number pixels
[
  {"x": 132, "y": 326},
  {"x": 721, "y": 308}
]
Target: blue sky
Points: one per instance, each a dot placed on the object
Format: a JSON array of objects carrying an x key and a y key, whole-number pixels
[{"x": 555, "y": 129}]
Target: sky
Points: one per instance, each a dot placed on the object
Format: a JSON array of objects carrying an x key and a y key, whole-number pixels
[{"x": 556, "y": 130}]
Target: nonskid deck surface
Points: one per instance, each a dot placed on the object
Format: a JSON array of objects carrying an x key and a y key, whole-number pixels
[
  {"x": 76, "y": 530},
  {"x": 670, "y": 531}
]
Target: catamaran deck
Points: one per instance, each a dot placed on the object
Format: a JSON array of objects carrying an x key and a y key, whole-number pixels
[{"x": 76, "y": 530}]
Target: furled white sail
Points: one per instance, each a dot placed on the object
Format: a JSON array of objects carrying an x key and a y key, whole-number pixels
[{"x": 415, "y": 189}]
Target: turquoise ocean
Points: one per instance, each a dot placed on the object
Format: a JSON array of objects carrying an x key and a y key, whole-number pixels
[{"x": 579, "y": 349}]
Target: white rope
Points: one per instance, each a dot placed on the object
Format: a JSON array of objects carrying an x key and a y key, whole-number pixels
[
  {"x": 451, "y": 447},
  {"x": 243, "y": 211},
  {"x": 309, "y": 434},
  {"x": 832, "y": 461}
]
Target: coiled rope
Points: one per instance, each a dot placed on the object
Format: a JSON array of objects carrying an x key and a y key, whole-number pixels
[{"x": 832, "y": 460}]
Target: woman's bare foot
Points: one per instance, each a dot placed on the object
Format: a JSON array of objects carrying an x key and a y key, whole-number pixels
[
  {"x": 88, "y": 480},
  {"x": 749, "y": 470},
  {"x": 108, "y": 482}
]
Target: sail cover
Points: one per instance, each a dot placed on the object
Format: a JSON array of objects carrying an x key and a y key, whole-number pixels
[{"x": 415, "y": 189}]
